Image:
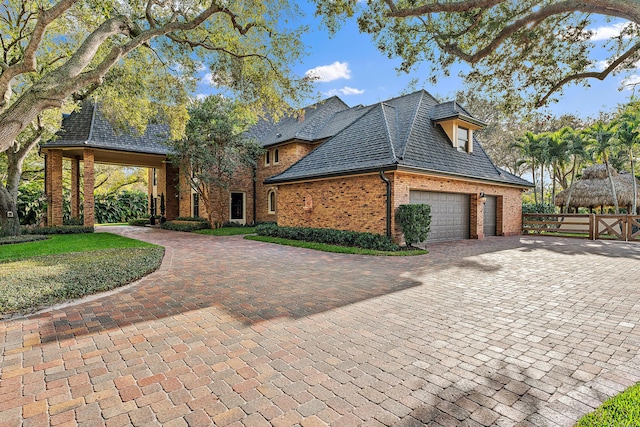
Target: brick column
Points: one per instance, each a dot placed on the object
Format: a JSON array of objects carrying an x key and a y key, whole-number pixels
[
  {"x": 185, "y": 194},
  {"x": 476, "y": 217},
  {"x": 172, "y": 203},
  {"x": 89, "y": 181},
  {"x": 499, "y": 216},
  {"x": 54, "y": 178},
  {"x": 75, "y": 188}
]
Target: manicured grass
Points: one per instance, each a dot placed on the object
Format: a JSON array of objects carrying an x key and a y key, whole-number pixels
[
  {"x": 64, "y": 243},
  {"x": 227, "y": 231},
  {"x": 333, "y": 248},
  {"x": 621, "y": 410},
  {"x": 63, "y": 267}
]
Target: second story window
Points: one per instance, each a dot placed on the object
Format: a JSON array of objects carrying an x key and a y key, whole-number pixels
[
  {"x": 463, "y": 139},
  {"x": 267, "y": 158},
  {"x": 275, "y": 157}
]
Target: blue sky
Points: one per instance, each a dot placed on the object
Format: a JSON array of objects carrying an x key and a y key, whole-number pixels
[{"x": 350, "y": 66}]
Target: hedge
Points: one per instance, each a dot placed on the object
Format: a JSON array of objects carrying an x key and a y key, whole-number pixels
[
  {"x": 65, "y": 229},
  {"x": 188, "y": 226},
  {"x": 329, "y": 236}
]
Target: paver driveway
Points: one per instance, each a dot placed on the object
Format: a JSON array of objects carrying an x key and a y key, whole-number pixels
[{"x": 505, "y": 331}]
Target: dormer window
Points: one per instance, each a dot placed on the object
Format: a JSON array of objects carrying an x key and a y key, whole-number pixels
[
  {"x": 267, "y": 158},
  {"x": 463, "y": 139}
]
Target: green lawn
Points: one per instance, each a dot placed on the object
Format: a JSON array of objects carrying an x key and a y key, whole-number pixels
[
  {"x": 64, "y": 243},
  {"x": 333, "y": 248},
  {"x": 227, "y": 231},
  {"x": 37, "y": 274},
  {"x": 620, "y": 411}
]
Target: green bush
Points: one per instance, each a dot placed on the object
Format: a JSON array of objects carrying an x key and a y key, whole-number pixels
[
  {"x": 329, "y": 236},
  {"x": 539, "y": 208},
  {"x": 120, "y": 207},
  {"x": 8, "y": 240},
  {"x": 192, "y": 218},
  {"x": 65, "y": 229},
  {"x": 73, "y": 221},
  {"x": 139, "y": 222},
  {"x": 188, "y": 226},
  {"x": 415, "y": 222}
]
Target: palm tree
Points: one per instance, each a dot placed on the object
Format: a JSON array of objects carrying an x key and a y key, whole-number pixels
[
  {"x": 601, "y": 141},
  {"x": 627, "y": 135},
  {"x": 576, "y": 141},
  {"x": 558, "y": 156},
  {"x": 527, "y": 145}
]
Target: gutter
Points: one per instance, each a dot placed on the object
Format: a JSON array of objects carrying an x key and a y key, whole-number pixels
[{"x": 388, "y": 183}]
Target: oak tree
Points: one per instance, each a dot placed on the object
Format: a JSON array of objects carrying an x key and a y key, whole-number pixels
[{"x": 523, "y": 53}]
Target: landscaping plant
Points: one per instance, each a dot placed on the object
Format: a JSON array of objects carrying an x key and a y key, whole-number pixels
[{"x": 415, "y": 222}]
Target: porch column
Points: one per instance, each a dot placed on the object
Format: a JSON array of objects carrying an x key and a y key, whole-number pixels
[
  {"x": 75, "y": 188},
  {"x": 89, "y": 180},
  {"x": 171, "y": 194},
  {"x": 54, "y": 187}
]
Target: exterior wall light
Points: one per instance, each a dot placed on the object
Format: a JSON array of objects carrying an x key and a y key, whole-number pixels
[{"x": 483, "y": 198}]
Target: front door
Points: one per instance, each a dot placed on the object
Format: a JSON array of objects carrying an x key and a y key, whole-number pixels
[{"x": 237, "y": 208}]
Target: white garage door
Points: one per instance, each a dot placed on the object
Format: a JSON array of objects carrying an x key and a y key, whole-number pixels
[{"x": 449, "y": 214}]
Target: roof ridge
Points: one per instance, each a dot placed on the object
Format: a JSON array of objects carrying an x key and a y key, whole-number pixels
[
  {"x": 390, "y": 139},
  {"x": 411, "y": 127},
  {"x": 93, "y": 105}
]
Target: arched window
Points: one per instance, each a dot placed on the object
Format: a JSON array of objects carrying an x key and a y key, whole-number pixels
[
  {"x": 271, "y": 201},
  {"x": 276, "y": 157}
]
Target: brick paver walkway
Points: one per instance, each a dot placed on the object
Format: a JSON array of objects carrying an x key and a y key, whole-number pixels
[{"x": 505, "y": 331}]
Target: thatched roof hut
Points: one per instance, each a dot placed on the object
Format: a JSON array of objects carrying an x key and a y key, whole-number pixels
[{"x": 593, "y": 189}]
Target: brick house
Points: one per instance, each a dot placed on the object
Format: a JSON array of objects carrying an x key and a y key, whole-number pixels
[{"x": 333, "y": 166}]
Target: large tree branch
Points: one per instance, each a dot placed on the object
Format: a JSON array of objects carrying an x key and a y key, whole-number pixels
[
  {"x": 600, "y": 75},
  {"x": 28, "y": 63},
  {"x": 456, "y": 6}
]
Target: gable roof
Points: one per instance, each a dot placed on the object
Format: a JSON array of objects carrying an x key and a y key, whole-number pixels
[
  {"x": 400, "y": 133},
  {"x": 306, "y": 125},
  {"x": 90, "y": 129}
]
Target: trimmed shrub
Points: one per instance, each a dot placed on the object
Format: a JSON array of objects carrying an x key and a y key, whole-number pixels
[
  {"x": 329, "y": 236},
  {"x": 73, "y": 221},
  {"x": 192, "y": 218},
  {"x": 140, "y": 222},
  {"x": 65, "y": 229},
  {"x": 188, "y": 226},
  {"x": 415, "y": 222},
  {"x": 8, "y": 240}
]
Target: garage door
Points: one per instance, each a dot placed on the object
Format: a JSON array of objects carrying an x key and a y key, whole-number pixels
[
  {"x": 489, "y": 228},
  {"x": 449, "y": 214}
]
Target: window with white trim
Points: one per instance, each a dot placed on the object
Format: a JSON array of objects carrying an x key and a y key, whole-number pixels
[
  {"x": 271, "y": 201},
  {"x": 463, "y": 139}
]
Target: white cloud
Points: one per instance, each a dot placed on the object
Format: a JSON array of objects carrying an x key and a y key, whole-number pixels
[
  {"x": 327, "y": 73},
  {"x": 201, "y": 96},
  {"x": 630, "y": 82},
  {"x": 345, "y": 91},
  {"x": 208, "y": 79},
  {"x": 607, "y": 32}
]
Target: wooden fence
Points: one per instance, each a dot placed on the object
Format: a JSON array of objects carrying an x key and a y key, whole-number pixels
[{"x": 588, "y": 226}]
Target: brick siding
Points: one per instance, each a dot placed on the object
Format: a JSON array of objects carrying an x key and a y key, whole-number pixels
[{"x": 89, "y": 182}]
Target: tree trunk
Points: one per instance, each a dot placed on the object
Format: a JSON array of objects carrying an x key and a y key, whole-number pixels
[
  {"x": 634, "y": 185},
  {"x": 535, "y": 184},
  {"x": 570, "y": 189},
  {"x": 9, "y": 221},
  {"x": 542, "y": 183},
  {"x": 613, "y": 187}
]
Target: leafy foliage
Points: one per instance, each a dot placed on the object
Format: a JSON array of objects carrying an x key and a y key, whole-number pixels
[
  {"x": 329, "y": 236},
  {"x": 28, "y": 284},
  {"x": 8, "y": 240},
  {"x": 121, "y": 207},
  {"x": 214, "y": 151},
  {"x": 65, "y": 229},
  {"x": 415, "y": 222},
  {"x": 144, "y": 57},
  {"x": 522, "y": 53},
  {"x": 187, "y": 226},
  {"x": 620, "y": 410}
]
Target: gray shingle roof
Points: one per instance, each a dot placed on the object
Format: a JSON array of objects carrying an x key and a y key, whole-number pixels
[
  {"x": 400, "y": 132},
  {"x": 306, "y": 127},
  {"x": 89, "y": 128}
]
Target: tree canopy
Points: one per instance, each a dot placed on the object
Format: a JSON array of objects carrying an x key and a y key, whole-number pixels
[
  {"x": 523, "y": 53},
  {"x": 143, "y": 56}
]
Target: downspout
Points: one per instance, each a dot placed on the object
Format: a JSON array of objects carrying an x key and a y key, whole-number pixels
[
  {"x": 254, "y": 194},
  {"x": 388, "y": 183}
]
